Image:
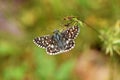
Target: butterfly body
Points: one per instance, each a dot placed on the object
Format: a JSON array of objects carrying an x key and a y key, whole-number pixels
[
  {"x": 59, "y": 39},
  {"x": 59, "y": 42}
]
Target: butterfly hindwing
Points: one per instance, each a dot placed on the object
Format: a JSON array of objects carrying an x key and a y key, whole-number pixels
[
  {"x": 53, "y": 50},
  {"x": 69, "y": 45}
]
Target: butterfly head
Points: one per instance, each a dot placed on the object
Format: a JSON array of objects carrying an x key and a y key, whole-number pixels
[
  {"x": 57, "y": 35},
  {"x": 56, "y": 31}
]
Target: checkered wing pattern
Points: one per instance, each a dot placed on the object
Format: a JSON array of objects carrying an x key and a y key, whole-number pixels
[
  {"x": 43, "y": 41},
  {"x": 71, "y": 33},
  {"x": 66, "y": 41},
  {"x": 69, "y": 45},
  {"x": 53, "y": 49}
]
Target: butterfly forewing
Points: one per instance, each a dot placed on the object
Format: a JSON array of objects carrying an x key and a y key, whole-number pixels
[
  {"x": 71, "y": 33},
  {"x": 43, "y": 41}
]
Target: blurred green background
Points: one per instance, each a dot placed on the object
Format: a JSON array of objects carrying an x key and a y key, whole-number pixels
[{"x": 23, "y": 20}]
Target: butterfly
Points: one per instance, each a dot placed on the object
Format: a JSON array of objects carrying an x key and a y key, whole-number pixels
[{"x": 59, "y": 42}]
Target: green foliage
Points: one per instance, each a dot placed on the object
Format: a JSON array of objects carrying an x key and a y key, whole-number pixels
[{"x": 111, "y": 39}]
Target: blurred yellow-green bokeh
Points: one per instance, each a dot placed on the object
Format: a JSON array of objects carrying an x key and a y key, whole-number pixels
[{"x": 93, "y": 58}]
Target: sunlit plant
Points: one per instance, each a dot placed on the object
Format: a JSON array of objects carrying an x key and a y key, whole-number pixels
[{"x": 110, "y": 38}]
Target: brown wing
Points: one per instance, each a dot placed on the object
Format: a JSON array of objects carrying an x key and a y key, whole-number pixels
[
  {"x": 69, "y": 45},
  {"x": 71, "y": 33},
  {"x": 53, "y": 49},
  {"x": 43, "y": 41}
]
